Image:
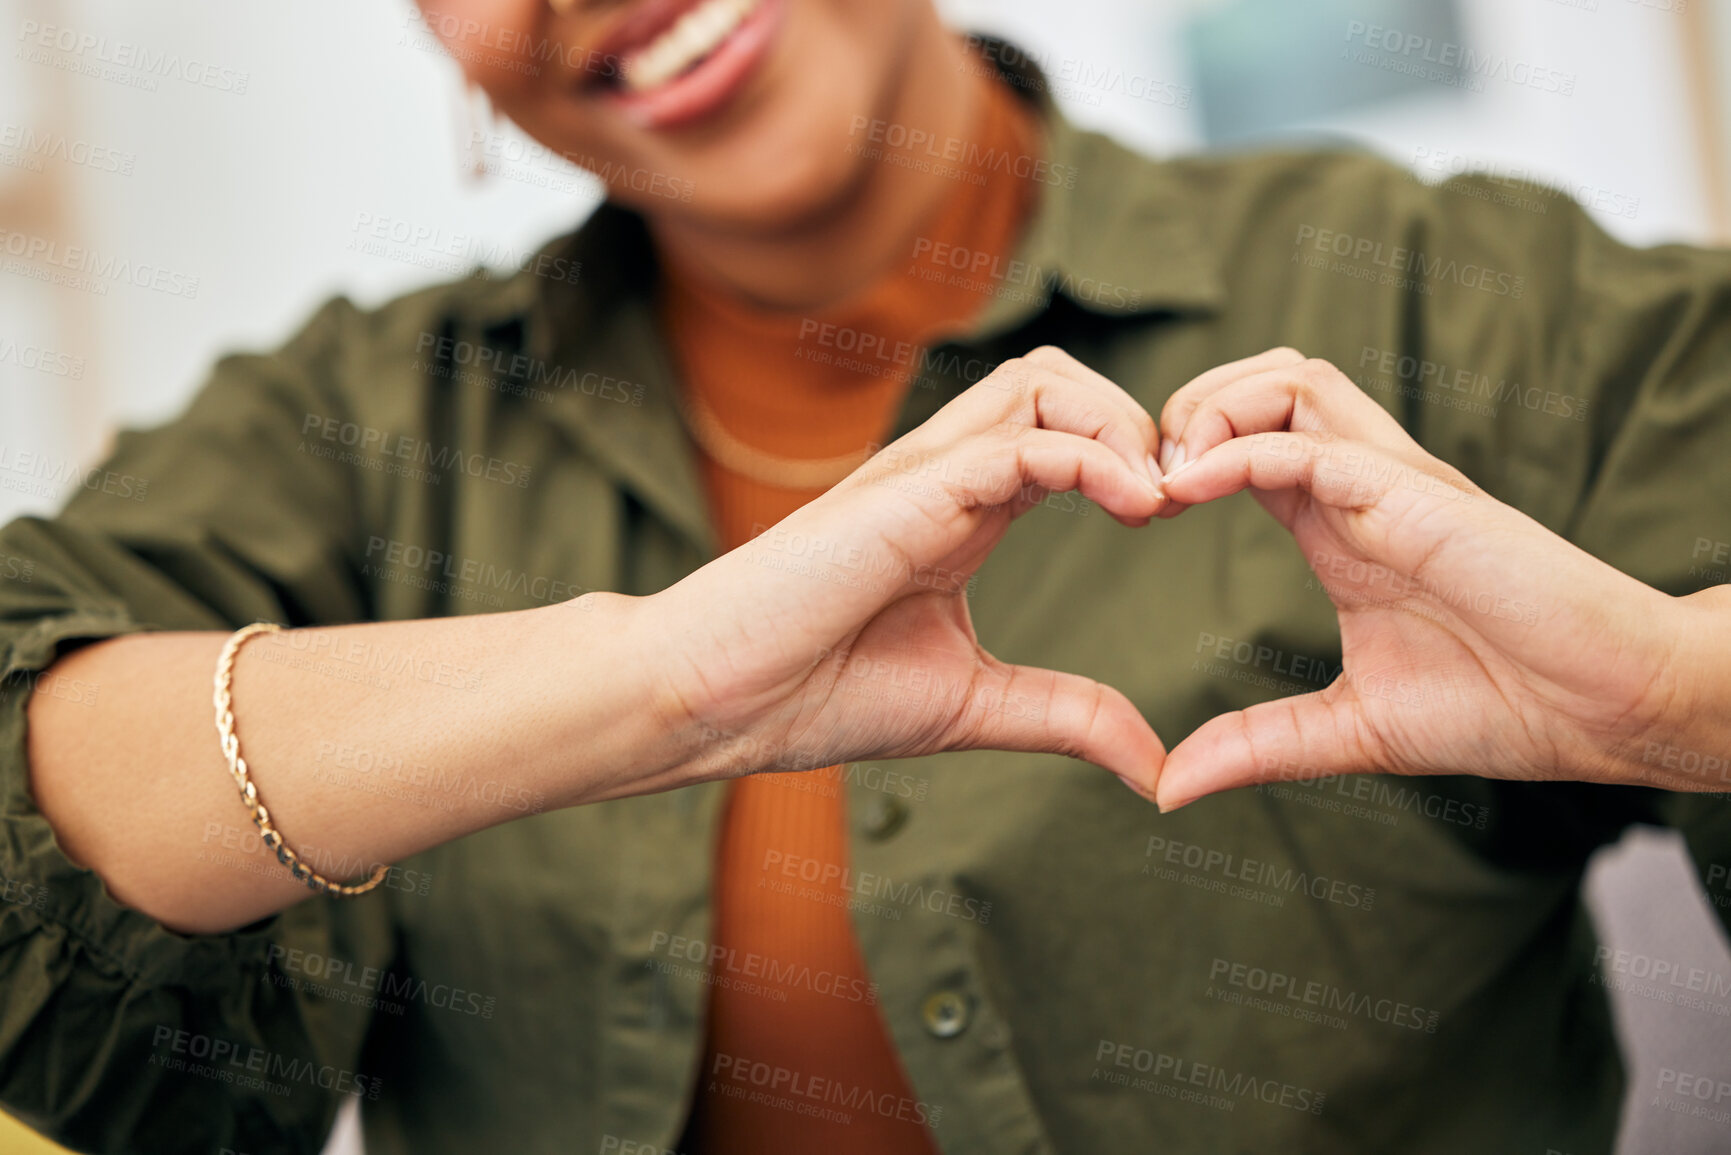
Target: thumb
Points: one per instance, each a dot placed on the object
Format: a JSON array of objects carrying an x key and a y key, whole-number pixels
[
  {"x": 1045, "y": 711},
  {"x": 1303, "y": 737}
]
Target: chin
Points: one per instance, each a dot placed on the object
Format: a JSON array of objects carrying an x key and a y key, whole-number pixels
[
  {"x": 781, "y": 158},
  {"x": 782, "y": 184}
]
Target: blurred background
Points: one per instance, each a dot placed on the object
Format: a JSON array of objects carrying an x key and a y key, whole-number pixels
[{"x": 222, "y": 197}]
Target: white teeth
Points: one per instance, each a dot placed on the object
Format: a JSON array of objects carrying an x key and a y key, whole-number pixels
[{"x": 692, "y": 37}]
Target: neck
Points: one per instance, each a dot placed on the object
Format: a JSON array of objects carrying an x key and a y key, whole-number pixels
[{"x": 872, "y": 227}]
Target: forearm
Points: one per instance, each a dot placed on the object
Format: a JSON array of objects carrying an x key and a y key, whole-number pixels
[{"x": 367, "y": 743}]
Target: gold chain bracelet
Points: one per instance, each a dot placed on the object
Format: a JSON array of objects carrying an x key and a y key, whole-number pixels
[{"x": 224, "y": 701}]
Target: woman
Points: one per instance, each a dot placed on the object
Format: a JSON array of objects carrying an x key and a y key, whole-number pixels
[{"x": 580, "y": 925}]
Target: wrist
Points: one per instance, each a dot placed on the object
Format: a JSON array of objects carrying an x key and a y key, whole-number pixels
[
  {"x": 603, "y": 658},
  {"x": 1685, "y": 744},
  {"x": 708, "y": 691}
]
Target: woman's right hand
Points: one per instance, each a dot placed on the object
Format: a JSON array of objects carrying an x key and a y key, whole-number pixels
[{"x": 843, "y": 632}]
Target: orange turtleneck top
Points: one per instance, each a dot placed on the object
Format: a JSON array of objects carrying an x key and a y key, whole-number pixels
[{"x": 789, "y": 386}]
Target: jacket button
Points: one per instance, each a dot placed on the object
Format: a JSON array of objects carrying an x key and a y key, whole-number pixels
[
  {"x": 882, "y": 817},
  {"x": 946, "y": 1014}
]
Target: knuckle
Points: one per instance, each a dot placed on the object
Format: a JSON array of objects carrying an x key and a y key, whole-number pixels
[
  {"x": 1317, "y": 373},
  {"x": 1201, "y": 412},
  {"x": 1107, "y": 419},
  {"x": 990, "y": 453},
  {"x": 1008, "y": 383}
]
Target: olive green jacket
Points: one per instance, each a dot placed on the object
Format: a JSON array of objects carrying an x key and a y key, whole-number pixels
[{"x": 1365, "y": 964}]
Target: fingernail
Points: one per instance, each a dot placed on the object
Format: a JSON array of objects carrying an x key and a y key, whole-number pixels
[
  {"x": 1180, "y": 458},
  {"x": 1154, "y": 476},
  {"x": 1166, "y": 448},
  {"x": 1169, "y": 808},
  {"x": 1137, "y": 790}
]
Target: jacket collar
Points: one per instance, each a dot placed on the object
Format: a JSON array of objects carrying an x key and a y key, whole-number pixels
[{"x": 1116, "y": 233}]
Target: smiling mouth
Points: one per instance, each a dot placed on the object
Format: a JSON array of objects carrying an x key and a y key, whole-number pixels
[
  {"x": 679, "y": 49},
  {"x": 680, "y": 60}
]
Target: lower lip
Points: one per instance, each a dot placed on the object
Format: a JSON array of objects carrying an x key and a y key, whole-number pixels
[{"x": 713, "y": 82}]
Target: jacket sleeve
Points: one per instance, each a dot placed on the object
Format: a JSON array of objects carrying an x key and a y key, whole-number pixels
[
  {"x": 1583, "y": 381},
  {"x": 117, "y": 1034},
  {"x": 1586, "y": 382},
  {"x": 1615, "y": 429},
  {"x": 1650, "y": 335}
]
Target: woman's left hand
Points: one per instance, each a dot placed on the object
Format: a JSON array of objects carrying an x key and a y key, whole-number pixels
[{"x": 1474, "y": 640}]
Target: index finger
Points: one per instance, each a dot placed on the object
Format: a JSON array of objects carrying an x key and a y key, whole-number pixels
[
  {"x": 1135, "y": 417},
  {"x": 1048, "y": 389},
  {"x": 1175, "y": 414}
]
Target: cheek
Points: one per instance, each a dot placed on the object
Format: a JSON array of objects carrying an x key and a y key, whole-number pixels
[{"x": 785, "y": 155}]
